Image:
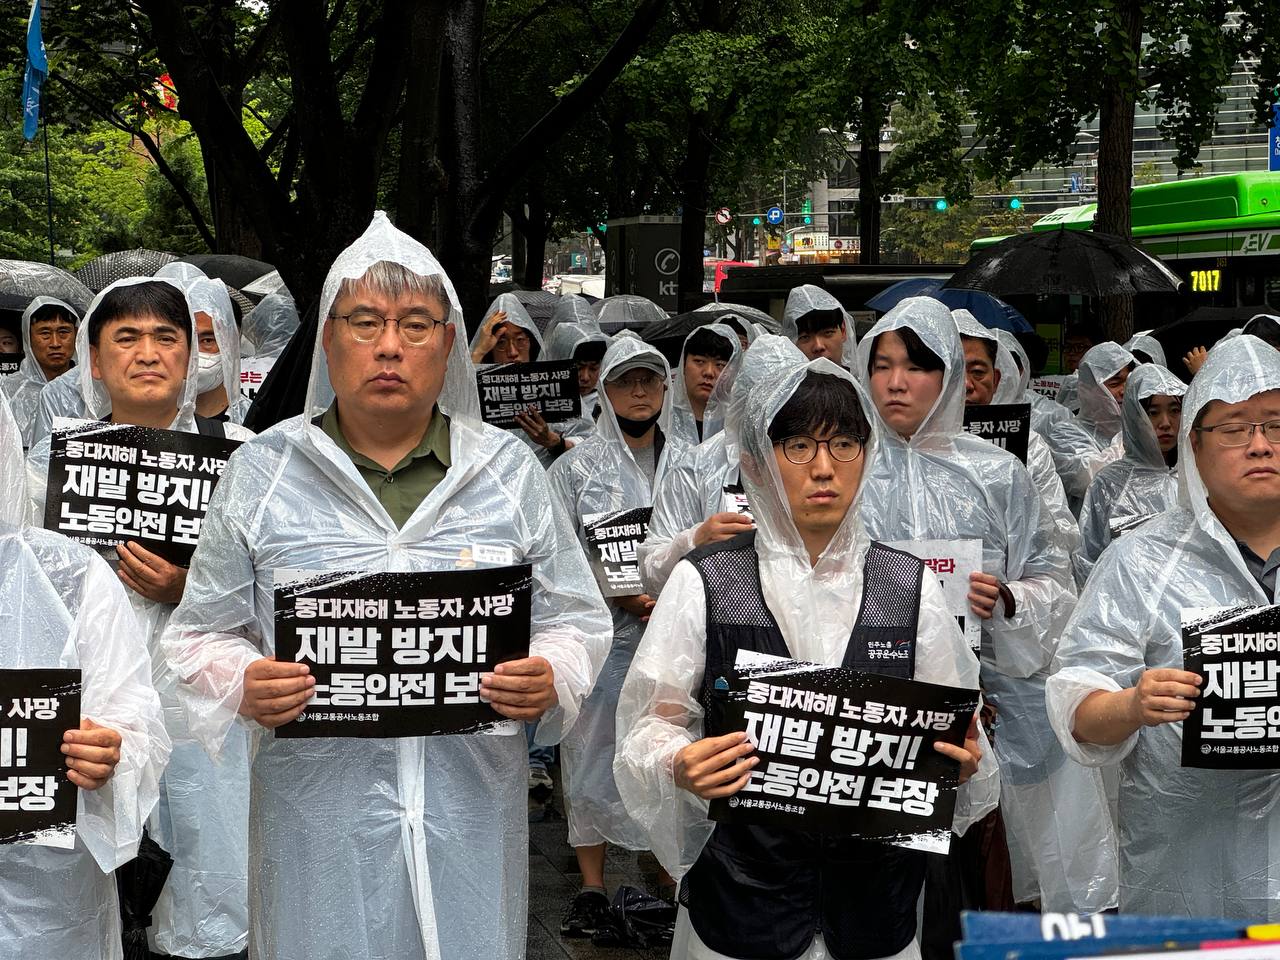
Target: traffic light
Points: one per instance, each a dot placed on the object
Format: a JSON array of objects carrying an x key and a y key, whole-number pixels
[
  {"x": 1015, "y": 203},
  {"x": 940, "y": 204},
  {"x": 808, "y": 206},
  {"x": 808, "y": 219},
  {"x": 755, "y": 221}
]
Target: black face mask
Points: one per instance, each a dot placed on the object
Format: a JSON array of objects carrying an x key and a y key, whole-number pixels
[{"x": 636, "y": 428}]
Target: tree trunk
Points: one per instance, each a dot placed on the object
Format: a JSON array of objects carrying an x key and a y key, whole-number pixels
[
  {"x": 234, "y": 231},
  {"x": 1115, "y": 163},
  {"x": 693, "y": 178},
  {"x": 519, "y": 253},
  {"x": 870, "y": 119},
  {"x": 422, "y": 178},
  {"x": 535, "y": 245}
]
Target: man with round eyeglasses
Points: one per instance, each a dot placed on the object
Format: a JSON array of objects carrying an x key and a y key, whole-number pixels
[{"x": 1192, "y": 841}]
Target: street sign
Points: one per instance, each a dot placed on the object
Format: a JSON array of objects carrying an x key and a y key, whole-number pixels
[
  {"x": 838, "y": 244},
  {"x": 1273, "y": 138},
  {"x": 723, "y": 216},
  {"x": 774, "y": 215}
]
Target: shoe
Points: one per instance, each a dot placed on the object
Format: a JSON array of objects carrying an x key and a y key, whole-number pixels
[
  {"x": 587, "y": 914},
  {"x": 539, "y": 779}
]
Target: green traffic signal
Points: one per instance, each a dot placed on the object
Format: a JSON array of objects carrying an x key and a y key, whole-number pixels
[
  {"x": 940, "y": 204},
  {"x": 1015, "y": 204},
  {"x": 755, "y": 221},
  {"x": 808, "y": 220}
]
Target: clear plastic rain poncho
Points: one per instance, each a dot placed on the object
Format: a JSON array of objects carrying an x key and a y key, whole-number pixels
[
  {"x": 563, "y": 343},
  {"x": 1069, "y": 393},
  {"x": 23, "y": 388},
  {"x": 60, "y": 397},
  {"x": 944, "y": 484},
  {"x": 181, "y": 271},
  {"x": 1012, "y": 389},
  {"x": 571, "y": 308},
  {"x": 1083, "y": 446},
  {"x": 1044, "y": 410},
  {"x": 211, "y": 297},
  {"x": 574, "y": 429},
  {"x": 1140, "y": 483},
  {"x": 271, "y": 324},
  {"x": 684, "y": 423},
  {"x": 1149, "y": 345},
  {"x": 628, "y": 310},
  {"x": 1204, "y": 843},
  {"x": 61, "y": 607},
  {"x": 808, "y": 297},
  {"x": 753, "y": 316},
  {"x": 659, "y": 712},
  {"x": 202, "y": 815},
  {"x": 601, "y": 475},
  {"x": 406, "y": 848},
  {"x": 694, "y": 488}
]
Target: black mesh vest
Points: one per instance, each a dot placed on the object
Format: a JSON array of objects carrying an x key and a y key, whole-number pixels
[{"x": 761, "y": 893}]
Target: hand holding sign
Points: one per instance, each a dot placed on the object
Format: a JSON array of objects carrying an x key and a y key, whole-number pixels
[
  {"x": 715, "y": 767},
  {"x": 92, "y": 754},
  {"x": 275, "y": 692},
  {"x": 533, "y": 424},
  {"x": 1164, "y": 695},
  {"x": 968, "y": 756},
  {"x": 521, "y": 689},
  {"x": 149, "y": 574},
  {"x": 984, "y": 591},
  {"x": 641, "y": 605},
  {"x": 721, "y": 526}
]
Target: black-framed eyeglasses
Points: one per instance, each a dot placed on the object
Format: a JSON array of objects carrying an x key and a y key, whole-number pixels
[
  {"x": 1239, "y": 433},
  {"x": 416, "y": 326},
  {"x": 843, "y": 447}
]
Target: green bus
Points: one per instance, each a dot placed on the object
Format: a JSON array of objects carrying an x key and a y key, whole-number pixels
[{"x": 1220, "y": 234}]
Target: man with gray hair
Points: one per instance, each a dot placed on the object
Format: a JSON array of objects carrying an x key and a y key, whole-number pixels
[{"x": 410, "y": 847}]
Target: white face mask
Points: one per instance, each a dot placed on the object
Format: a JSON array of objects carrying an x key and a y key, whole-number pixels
[{"x": 209, "y": 373}]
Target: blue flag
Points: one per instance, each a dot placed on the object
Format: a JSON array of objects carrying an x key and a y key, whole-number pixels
[{"x": 37, "y": 70}]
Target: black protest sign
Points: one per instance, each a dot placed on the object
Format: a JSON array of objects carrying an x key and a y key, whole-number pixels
[
  {"x": 9, "y": 363},
  {"x": 37, "y": 801},
  {"x": 550, "y": 387},
  {"x": 111, "y": 484},
  {"x": 1007, "y": 425},
  {"x": 1235, "y": 722},
  {"x": 612, "y": 542},
  {"x": 844, "y": 752},
  {"x": 400, "y": 654},
  {"x": 1117, "y": 526}
]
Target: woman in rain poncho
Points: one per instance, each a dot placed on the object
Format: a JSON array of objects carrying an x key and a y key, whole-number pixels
[
  {"x": 811, "y": 567},
  {"x": 586, "y": 345},
  {"x": 691, "y": 505},
  {"x": 1204, "y": 843},
  {"x": 939, "y": 482},
  {"x": 507, "y": 334},
  {"x": 1144, "y": 481},
  {"x": 707, "y": 351},
  {"x": 58, "y": 326},
  {"x": 410, "y": 848},
  {"x": 1011, "y": 389},
  {"x": 604, "y": 474},
  {"x": 1083, "y": 446},
  {"x": 60, "y": 607},
  {"x": 1044, "y": 411},
  {"x": 201, "y": 819},
  {"x": 815, "y": 322}
]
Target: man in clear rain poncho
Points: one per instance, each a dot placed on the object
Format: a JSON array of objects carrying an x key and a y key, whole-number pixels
[
  {"x": 218, "y": 337},
  {"x": 1192, "y": 842},
  {"x": 933, "y": 481},
  {"x": 1083, "y": 446},
  {"x": 61, "y": 607},
  {"x": 507, "y": 334},
  {"x": 389, "y": 849},
  {"x": 992, "y": 376},
  {"x": 1144, "y": 481},
  {"x": 586, "y": 346},
  {"x": 751, "y": 891},
  {"x": 141, "y": 368},
  {"x": 1044, "y": 410},
  {"x": 616, "y": 469},
  {"x": 815, "y": 322},
  {"x": 48, "y": 345},
  {"x": 696, "y": 501},
  {"x": 704, "y": 356}
]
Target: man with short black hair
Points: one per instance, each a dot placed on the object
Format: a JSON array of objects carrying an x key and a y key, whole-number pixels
[
  {"x": 705, "y": 354},
  {"x": 815, "y": 322},
  {"x": 49, "y": 334}
]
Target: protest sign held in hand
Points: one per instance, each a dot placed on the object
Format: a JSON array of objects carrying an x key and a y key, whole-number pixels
[
  {"x": 549, "y": 387},
  {"x": 734, "y": 500},
  {"x": 109, "y": 484},
  {"x": 612, "y": 543},
  {"x": 37, "y": 801},
  {"x": 9, "y": 363},
  {"x": 253, "y": 371},
  {"x": 400, "y": 654},
  {"x": 1047, "y": 386},
  {"x": 1235, "y": 722},
  {"x": 842, "y": 752},
  {"x": 951, "y": 562},
  {"x": 1007, "y": 425}
]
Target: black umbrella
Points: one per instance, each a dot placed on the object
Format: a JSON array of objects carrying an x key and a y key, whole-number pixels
[
  {"x": 232, "y": 269},
  {"x": 1202, "y": 327},
  {"x": 26, "y": 278},
  {"x": 1046, "y": 262},
  {"x": 100, "y": 272},
  {"x": 539, "y": 304},
  {"x": 139, "y": 883}
]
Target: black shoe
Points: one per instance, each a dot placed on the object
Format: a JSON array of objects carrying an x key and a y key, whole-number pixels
[{"x": 587, "y": 914}]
